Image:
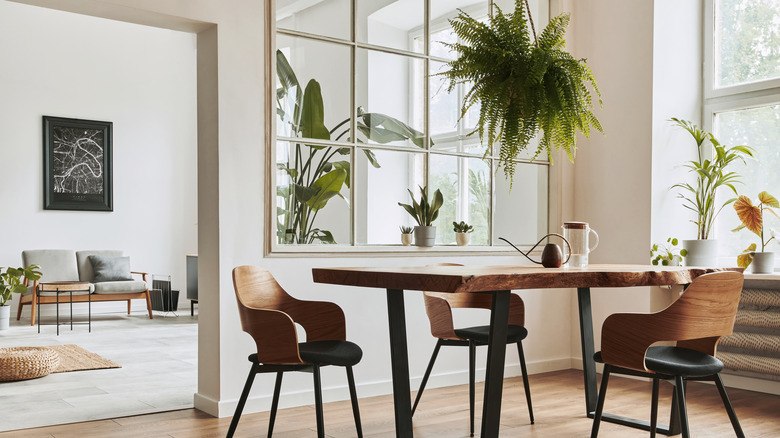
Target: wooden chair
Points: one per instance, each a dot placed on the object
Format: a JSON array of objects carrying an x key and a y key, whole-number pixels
[
  {"x": 269, "y": 315},
  {"x": 696, "y": 321},
  {"x": 439, "y": 305}
]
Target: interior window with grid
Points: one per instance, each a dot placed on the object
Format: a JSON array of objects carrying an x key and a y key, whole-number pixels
[
  {"x": 361, "y": 118},
  {"x": 742, "y": 100}
]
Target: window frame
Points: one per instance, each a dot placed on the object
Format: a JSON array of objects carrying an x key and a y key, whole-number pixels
[
  {"x": 273, "y": 248},
  {"x": 736, "y": 97}
]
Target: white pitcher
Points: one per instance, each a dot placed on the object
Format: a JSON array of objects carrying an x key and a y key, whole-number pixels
[{"x": 578, "y": 234}]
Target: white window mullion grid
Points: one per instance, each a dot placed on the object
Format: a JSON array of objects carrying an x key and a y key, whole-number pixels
[{"x": 353, "y": 143}]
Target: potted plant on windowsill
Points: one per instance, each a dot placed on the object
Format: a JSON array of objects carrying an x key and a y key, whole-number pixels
[
  {"x": 752, "y": 217},
  {"x": 711, "y": 176},
  {"x": 424, "y": 213},
  {"x": 406, "y": 235},
  {"x": 667, "y": 254},
  {"x": 462, "y": 230},
  {"x": 522, "y": 84},
  {"x": 11, "y": 282}
]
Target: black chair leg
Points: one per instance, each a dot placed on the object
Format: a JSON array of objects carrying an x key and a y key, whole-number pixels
[
  {"x": 594, "y": 432},
  {"x": 679, "y": 388},
  {"x": 472, "y": 371},
  {"x": 318, "y": 401},
  {"x": 275, "y": 403},
  {"x": 525, "y": 380},
  {"x": 242, "y": 401},
  {"x": 729, "y": 408},
  {"x": 654, "y": 409},
  {"x": 427, "y": 374},
  {"x": 353, "y": 396}
]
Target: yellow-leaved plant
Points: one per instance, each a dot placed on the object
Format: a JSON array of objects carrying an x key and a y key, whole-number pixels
[{"x": 752, "y": 218}]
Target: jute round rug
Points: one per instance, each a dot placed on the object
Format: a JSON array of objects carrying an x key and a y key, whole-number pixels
[{"x": 75, "y": 358}]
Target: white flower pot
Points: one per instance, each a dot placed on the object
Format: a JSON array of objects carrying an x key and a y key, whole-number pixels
[
  {"x": 701, "y": 252},
  {"x": 406, "y": 239},
  {"x": 5, "y": 317},
  {"x": 763, "y": 263},
  {"x": 462, "y": 239},
  {"x": 424, "y": 236}
]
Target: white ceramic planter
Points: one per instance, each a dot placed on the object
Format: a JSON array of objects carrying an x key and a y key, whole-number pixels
[
  {"x": 406, "y": 239},
  {"x": 5, "y": 317},
  {"x": 701, "y": 252},
  {"x": 462, "y": 239},
  {"x": 424, "y": 236},
  {"x": 763, "y": 263}
]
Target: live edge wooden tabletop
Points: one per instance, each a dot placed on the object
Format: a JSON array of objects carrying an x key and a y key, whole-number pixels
[{"x": 493, "y": 278}]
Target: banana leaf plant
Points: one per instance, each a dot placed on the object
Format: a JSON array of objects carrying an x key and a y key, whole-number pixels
[{"x": 320, "y": 173}]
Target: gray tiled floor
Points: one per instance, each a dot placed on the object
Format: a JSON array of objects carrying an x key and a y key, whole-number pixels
[{"x": 159, "y": 370}]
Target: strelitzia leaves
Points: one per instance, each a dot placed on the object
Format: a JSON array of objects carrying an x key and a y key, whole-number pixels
[
  {"x": 313, "y": 113},
  {"x": 327, "y": 186}
]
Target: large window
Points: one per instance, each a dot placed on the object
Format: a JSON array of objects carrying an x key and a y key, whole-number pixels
[
  {"x": 360, "y": 118},
  {"x": 742, "y": 100}
]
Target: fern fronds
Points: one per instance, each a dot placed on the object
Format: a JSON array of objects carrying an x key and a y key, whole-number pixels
[{"x": 523, "y": 85}]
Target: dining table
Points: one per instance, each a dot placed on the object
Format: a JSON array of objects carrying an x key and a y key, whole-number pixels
[{"x": 499, "y": 281}]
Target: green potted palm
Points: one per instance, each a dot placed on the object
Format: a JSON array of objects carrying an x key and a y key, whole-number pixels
[
  {"x": 424, "y": 213},
  {"x": 522, "y": 83},
  {"x": 752, "y": 218},
  {"x": 713, "y": 175},
  {"x": 11, "y": 281}
]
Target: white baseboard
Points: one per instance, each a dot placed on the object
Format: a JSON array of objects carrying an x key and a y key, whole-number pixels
[{"x": 226, "y": 408}]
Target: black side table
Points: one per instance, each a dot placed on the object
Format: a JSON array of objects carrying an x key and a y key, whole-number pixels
[{"x": 64, "y": 287}]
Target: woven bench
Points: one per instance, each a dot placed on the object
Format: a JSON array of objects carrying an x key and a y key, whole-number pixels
[{"x": 21, "y": 363}]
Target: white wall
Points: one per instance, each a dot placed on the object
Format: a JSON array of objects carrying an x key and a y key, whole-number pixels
[{"x": 140, "y": 78}]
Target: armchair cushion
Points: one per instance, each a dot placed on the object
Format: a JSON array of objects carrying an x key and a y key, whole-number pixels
[
  {"x": 681, "y": 361},
  {"x": 110, "y": 268},
  {"x": 342, "y": 353},
  {"x": 481, "y": 334},
  {"x": 119, "y": 287}
]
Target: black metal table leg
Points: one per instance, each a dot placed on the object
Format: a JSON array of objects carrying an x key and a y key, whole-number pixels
[
  {"x": 399, "y": 357},
  {"x": 586, "y": 342},
  {"x": 494, "y": 378}
]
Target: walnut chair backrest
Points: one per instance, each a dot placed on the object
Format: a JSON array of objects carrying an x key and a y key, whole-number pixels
[
  {"x": 439, "y": 305},
  {"x": 268, "y": 313},
  {"x": 697, "y": 320}
]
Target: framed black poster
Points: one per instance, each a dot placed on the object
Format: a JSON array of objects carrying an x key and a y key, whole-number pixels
[{"x": 77, "y": 164}]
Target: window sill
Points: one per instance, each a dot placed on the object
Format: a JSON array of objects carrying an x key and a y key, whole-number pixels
[{"x": 392, "y": 251}]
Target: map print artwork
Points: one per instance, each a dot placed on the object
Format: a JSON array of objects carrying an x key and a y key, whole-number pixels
[{"x": 77, "y": 162}]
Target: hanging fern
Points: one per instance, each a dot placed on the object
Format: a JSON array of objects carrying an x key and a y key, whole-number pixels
[{"x": 523, "y": 85}]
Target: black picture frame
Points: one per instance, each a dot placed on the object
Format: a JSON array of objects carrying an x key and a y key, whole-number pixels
[{"x": 77, "y": 164}]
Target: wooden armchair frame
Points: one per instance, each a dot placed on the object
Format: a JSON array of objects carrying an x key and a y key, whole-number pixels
[
  {"x": 438, "y": 306},
  {"x": 269, "y": 314},
  {"x": 704, "y": 313}
]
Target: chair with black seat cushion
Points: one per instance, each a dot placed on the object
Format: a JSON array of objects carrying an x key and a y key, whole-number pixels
[
  {"x": 269, "y": 315},
  {"x": 439, "y": 307},
  {"x": 696, "y": 321}
]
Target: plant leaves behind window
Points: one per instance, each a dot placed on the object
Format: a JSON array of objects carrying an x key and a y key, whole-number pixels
[
  {"x": 345, "y": 166},
  {"x": 380, "y": 126},
  {"x": 749, "y": 214},
  {"x": 371, "y": 158},
  {"x": 326, "y": 187},
  {"x": 289, "y": 82},
  {"x": 522, "y": 87},
  {"x": 313, "y": 113},
  {"x": 744, "y": 259},
  {"x": 323, "y": 236}
]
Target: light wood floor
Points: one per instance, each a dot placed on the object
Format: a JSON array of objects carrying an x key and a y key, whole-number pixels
[{"x": 443, "y": 412}]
